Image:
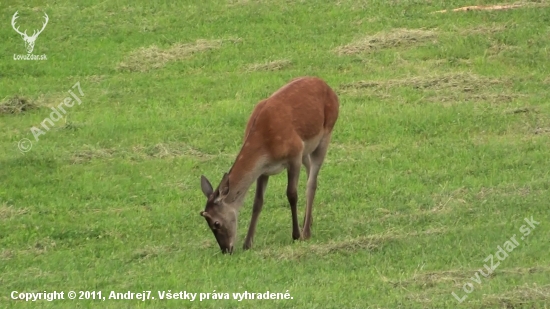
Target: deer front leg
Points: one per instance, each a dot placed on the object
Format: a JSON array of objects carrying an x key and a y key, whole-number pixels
[
  {"x": 292, "y": 195},
  {"x": 261, "y": 185}
]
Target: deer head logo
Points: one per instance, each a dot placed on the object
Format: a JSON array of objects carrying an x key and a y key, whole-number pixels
[{"x": 29, "y": 40}]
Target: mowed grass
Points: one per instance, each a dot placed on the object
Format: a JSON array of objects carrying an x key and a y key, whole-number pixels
[{"x": 440, "y": 152}]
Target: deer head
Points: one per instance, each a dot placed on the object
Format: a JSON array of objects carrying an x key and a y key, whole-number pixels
[
  {"x": 220, "y": 216},
  {"x": 29, "y": 40}
]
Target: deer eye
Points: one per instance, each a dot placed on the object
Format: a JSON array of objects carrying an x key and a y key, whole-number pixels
[{"x": 217, "y": 225}]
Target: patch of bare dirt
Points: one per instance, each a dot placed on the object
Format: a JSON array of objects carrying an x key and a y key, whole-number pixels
[
  {"x": 390, "y": 39},
  {"x": 154, "y": 57}
]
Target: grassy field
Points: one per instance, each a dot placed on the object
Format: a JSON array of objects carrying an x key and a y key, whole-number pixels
[{"x": 441, "y": 151}]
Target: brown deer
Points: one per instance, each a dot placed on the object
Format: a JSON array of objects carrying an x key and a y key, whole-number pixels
[{"x": 290, "y": 128}]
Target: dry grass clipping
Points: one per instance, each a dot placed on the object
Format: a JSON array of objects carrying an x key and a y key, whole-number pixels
[
  {"x": 40, "y": 247},
  {"x": 442, "y": 205},
  {"x": 16, "y": 105},
  {"x": 7, "y": 212},
  {"x": 89, "y": 153},
  {"x": 395, "y": 38},
  {"x": 442, "y": 88},
  {"x": 483, "y": 8},
  {"x": 269, "y": 66},
  {"x": 96, "y": 79},
  {"x": 158, "y": 151},
  {"x": 463, "y": 82},
  {"x": 430, "y": 279},
  {"x": 505, "y": 191},
  {"x": 170, "y": 151},
  {"x": 6, "y": 254},
  {"x": 240, "y": 2},
  {"x": 368, "y": 243},
  {"x": 520, "y": 296},
  {"x": 484, "y": 29},
  {"x": 458, "y": 276},
  {"x": 498, "y": 48},
  {"x": 348, "y": 245},
  {"x": 154, "y": 57},
  {"x": 496, "y": 7},
  {"x": 149, "y": 252},
  {"x": 444, "y": 199},
  {"x": 541, "y": 130}
]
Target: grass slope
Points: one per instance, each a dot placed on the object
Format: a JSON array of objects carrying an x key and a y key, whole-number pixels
[{"x": 440, "y": 152}]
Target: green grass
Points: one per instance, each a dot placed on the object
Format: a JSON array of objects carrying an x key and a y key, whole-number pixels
[{"x": 441, "y": 150}]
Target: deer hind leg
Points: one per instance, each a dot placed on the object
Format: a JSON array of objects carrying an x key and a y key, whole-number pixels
[
  {"x": 317, "y": 158},
  {"x": 306, "y": 161},
  {"x": 292, "y": 194},
  {"x": 307, "y": 164},
  {"x": 261, "y": 185}
]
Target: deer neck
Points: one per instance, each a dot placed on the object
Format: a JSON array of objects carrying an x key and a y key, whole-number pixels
[{"x": 244, "y": 172}]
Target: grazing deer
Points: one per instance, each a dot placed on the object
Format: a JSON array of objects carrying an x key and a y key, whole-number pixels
[
  {"x": 290, "y": 128},
  {"x": 29, "y": 40}
]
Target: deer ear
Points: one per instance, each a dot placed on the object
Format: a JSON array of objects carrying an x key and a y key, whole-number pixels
[
  {"x": 205, "y": 215},
  {"x": 206, "y": 187},
  {"x": 224, "y": 185}
]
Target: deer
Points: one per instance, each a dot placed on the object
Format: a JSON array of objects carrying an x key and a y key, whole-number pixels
[
  {"x": 29, "y": 40},
  {"x": 291, "y": 128}
]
